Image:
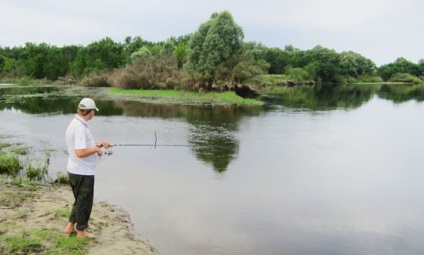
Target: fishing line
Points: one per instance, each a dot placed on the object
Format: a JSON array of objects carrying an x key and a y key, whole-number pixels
[{"x": 109, "y": 151}]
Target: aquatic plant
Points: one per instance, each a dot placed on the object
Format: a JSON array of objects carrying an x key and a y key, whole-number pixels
[{"x": 10, "y": 165}]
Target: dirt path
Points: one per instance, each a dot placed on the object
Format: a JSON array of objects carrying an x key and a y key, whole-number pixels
[{"x": 24, "y": 209}]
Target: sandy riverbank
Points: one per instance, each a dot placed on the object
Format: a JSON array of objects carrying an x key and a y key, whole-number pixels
[{"x": 27, "y": 209}]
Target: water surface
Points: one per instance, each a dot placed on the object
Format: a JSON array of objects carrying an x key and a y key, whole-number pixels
[{"x": 320, "y": 171}]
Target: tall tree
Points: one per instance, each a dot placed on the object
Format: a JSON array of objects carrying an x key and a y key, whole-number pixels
[{"x": 216, "y": 43}]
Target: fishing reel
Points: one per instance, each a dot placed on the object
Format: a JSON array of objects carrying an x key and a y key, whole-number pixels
[{"x": 108, "y": 151}]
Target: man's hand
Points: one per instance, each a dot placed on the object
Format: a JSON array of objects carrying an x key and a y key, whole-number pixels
[{"x": 104, "y": 144}]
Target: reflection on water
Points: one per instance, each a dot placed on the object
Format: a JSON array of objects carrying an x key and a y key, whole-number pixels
[
  {"x": 212, "y": 136},
  {"x": 213, "y": 133},
  {"x": 317, "y": 170},
  {"x": 345, "y": 96}
]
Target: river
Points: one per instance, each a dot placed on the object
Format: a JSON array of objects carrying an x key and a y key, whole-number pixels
[{"x": 315, "y": 171}]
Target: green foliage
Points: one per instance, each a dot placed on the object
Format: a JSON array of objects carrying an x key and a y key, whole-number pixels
[
  {"x": 216, "y": 43},
  {"x": 354, "y": 65},
  {"x": 297, "y": 74},
  {"x": 168, "y": 47},
  {"x": 143, "y": 52},
  {"x": 214, "y": 57},
  {"x": 180, "y": 54},
  {"x": 97, "y": 56},
  {"x": 269, "y": 80},
  {"x": 401, "y": 65},
  {"x": 278, "y": 60},
  {"x": 406, "y": 78},
  {"x": 249, "y": 66},
  {"x": 132, "y": 45}
]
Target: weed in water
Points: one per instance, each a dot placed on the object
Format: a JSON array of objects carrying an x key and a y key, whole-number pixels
[
  {"x": 4, "y": 145},
  {"x": 20, "y": 150},
  {"x": 34, "y": 173},
  {"x": 10, "y": 165},
  {"x": 62, "y": 178}
]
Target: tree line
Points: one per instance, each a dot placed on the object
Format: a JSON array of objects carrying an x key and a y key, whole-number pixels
[{"x": 213, "y": 57}]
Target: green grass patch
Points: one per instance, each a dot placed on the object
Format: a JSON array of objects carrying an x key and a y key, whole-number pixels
[
  {"x": 63, "y": 213},
  {"x": 44, "y": 241},
  {"x": 188, "y": 97},
  {"x": 23, "y": 245}
]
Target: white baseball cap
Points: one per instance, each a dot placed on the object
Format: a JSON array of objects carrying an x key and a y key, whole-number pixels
[{"x": 87, "y": 104}]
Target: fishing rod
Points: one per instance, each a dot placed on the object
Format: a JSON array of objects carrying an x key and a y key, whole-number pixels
[
  {"x": 109, "y": 151},
  {"x": 150, "y": 145}
]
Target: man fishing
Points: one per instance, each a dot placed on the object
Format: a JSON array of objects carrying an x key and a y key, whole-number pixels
[{"x": 82, "y": 160}]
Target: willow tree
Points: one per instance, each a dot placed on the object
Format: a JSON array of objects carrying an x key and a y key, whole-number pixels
[{"x": 217, "y": 43}]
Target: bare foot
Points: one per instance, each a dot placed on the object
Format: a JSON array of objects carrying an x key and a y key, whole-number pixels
[
  {"x": 84, "y": 233},
  {"x": 69, "y": 229}
]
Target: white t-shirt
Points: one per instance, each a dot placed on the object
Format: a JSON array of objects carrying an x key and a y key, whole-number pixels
[{"x": 78, "y": 136}]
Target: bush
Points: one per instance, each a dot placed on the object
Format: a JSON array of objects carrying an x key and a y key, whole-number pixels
[
  {"x": 366, "y": 78},
  {"x": 406, "y": 78},
  {"x": 96, "y": 79},
  {"x": 150, "y": 73}
]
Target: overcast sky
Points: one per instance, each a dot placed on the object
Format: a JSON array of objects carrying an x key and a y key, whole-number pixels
[{"x": 381, "y": 30}]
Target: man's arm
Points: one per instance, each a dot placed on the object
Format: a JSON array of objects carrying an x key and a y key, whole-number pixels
[{"x": 82, "y": 153}]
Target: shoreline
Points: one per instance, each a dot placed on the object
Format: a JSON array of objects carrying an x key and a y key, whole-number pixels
[{"x": 24, "y": 210}]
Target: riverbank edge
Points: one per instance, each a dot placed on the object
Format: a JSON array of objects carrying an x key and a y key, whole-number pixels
[{"x": 37, "y": 208}]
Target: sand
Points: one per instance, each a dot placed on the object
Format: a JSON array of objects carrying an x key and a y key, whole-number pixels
[{"x": 111, "y": 225}]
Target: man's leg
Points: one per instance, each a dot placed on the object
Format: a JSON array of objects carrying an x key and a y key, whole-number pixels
[
  {"x": 83, "y": 190},
  {"x": 84, "y": 202}
]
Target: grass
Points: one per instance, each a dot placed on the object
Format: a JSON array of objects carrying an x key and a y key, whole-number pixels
[
  {"x": 22, "y": 244},
  {"x": 188, "y": 97},
  {"x": 17, "y": 238},
  {"x": 63, "y": 213},
  {"x": 43, "y": 241},
  {"x": 9, "y": 199}
]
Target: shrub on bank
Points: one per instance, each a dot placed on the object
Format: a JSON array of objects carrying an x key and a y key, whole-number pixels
[
  {"x": 406, "y": 78},
  {"x": 150, "y": 73}
]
